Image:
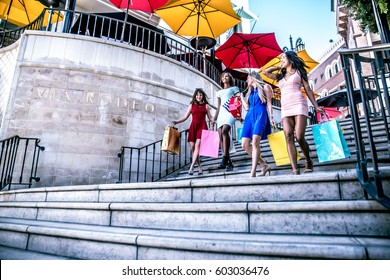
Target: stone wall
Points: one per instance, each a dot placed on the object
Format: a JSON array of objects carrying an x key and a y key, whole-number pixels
[{"x": 86, "y": 97}]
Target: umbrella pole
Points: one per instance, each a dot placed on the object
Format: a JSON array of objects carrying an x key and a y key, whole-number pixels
[{"x": 124, "y": 24}]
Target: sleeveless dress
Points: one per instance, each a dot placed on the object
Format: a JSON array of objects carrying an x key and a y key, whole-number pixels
[
  {"x": 256, "y": 120},
  {"x": 293, "y": 103},
  {"x": 198, "y": 122},
  {"x": 224, "y": 116}
]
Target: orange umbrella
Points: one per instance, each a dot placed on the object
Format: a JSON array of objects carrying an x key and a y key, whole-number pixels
[
  {"x": 22, "y": 13},
  {"x": 310, "y": 62},
  {"x": 199, "y": 17}
]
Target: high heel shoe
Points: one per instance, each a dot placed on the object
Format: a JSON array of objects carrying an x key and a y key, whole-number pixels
[
  {"x": 267, "y": 168},
  {"x": 229, "y": 165},
  {"x": 190, "y": 172},
  {"x": 308, "y": 166},
  {"x": 296, "y": 172},
  {"x": 222, "y": 165}
]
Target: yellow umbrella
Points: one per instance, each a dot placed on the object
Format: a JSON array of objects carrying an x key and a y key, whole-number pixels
[
  {"x": 23, "y": 12},
  {"x": 310, "y": 62},
  {"x": 199, "y": 17}
]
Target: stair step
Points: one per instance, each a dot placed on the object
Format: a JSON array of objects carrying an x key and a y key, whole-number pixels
[
  {"x": 101, "y": 242},
  {"x": 364, "y": 218},
  {"x": 237, "y": 188}
]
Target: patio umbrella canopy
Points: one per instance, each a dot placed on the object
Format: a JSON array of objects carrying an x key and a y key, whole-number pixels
[
  {"x": 248, "y": 50},
  {"x": 199, "y": 17},
  {"x": 141, "y": 5},
  {"x": 22, "y": 13},
  {"x": 340, "y": 98},
  {"x": 310, "y": 62}
]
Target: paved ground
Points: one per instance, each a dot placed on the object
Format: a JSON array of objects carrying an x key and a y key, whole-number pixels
[{"x": 7, "y": 253}]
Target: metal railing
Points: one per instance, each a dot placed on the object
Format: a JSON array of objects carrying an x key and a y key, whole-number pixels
[
  {"x": 111, "y": 29},
  {"x": 368, "y": 69},
  {"x": 149, "y": 163},
  {"x": 19, "y": 161}
]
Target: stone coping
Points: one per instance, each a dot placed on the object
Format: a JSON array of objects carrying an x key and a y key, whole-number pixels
[
  {"x": 323, "y": 176},
  {"x": 249, "y": 207}
]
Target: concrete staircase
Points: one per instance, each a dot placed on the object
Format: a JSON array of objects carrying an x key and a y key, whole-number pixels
[{"x": 218, "y": 215}]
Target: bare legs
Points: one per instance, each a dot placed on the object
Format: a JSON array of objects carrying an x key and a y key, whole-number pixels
[
  {"x": 224, "y": 136},
  {"x": 299, "y": 123},
  {"x": 254, "y": 152},
  {"x": 195, "y": 146}
]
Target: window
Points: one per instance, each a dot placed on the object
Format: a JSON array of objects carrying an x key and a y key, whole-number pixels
[{"x": 328, "y": 72}]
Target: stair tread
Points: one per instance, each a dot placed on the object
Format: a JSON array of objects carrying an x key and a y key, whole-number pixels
[{"x": 294, "y": 245}]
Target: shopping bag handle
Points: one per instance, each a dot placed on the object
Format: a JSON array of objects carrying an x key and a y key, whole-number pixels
[
  {"x": 172, "y": 126},
  {"x": 324, "y": 117}
]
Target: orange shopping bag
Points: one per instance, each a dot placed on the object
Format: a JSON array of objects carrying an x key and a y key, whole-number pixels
[{"x": 170, "y": 143}]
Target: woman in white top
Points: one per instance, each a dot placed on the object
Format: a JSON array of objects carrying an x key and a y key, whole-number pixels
[{"x": 224, "y": 118}]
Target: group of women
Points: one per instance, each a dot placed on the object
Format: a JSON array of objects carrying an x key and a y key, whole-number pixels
[{"x": 291, "y": 75}]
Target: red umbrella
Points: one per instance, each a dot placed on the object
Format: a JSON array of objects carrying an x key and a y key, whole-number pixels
[
  {"x": 141, "y": 5},
  {"x": 248, "y": 50}
]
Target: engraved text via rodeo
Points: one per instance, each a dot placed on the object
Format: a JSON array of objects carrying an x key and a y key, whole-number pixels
[{"x": 82, "y": 97}]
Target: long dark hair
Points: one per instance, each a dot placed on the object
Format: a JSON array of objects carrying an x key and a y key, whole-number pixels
[
  {"x": 296, "y": 63},
  {"x": 204, "y": 98}
]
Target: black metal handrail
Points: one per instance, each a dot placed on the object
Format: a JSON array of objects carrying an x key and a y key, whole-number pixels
[
  {"x": 149, "y": 163},
  {"x": 19, "y": 158},
  {"x": 111, "y": 29},
  {"x": 371, "y": 67}
]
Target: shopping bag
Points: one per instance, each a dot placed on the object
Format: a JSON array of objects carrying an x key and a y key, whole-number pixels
[
  {"x": 330, "y": 141},
  {"x": 277, "y": 142},
  {"x": 239, "y": 135},
  {"x": 171, "y": 140},
  {"x": 209, "y": 143},
  {"x": 235, "y": 107}
]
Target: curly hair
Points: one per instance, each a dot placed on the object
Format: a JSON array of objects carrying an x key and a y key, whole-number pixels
[{"x": 296, "y": 63}]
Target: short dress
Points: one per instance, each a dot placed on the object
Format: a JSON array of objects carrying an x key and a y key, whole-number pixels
[
  {"x": 256, "y": 120},
  {"x": 198, "y": 123},
  {"x": 224, "y": 116},
  {"x": 293, "y": 103}
]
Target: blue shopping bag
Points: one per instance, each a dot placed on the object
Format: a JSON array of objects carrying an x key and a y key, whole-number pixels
[
  {"x": 239, "y": 135},
  {"x": 330, "y": 141}
]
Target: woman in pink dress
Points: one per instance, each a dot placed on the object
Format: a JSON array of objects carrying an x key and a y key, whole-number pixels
[
  {"x": 199, "y": 109},
  {"x": 291, "y": 78}
]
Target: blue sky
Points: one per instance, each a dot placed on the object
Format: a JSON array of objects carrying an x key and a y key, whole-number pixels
[{"x": 311, "y": 20}]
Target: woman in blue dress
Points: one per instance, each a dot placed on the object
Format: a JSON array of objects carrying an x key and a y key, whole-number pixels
[
  {"x": 224, "y": 118},
  {"x": 258, "y": 120}
]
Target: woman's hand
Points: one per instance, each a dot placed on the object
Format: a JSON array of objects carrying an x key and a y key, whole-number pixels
[
  {"x": 174, "y": 123},
  {"x": 271, "y": 120},
  {"x": 320, "y": 110}
]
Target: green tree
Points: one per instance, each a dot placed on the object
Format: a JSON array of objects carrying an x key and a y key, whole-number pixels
[{"x": 362, "y": 10}]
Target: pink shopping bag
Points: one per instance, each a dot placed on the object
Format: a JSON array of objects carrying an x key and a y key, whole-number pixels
[{"x": 209, "y": 143}]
